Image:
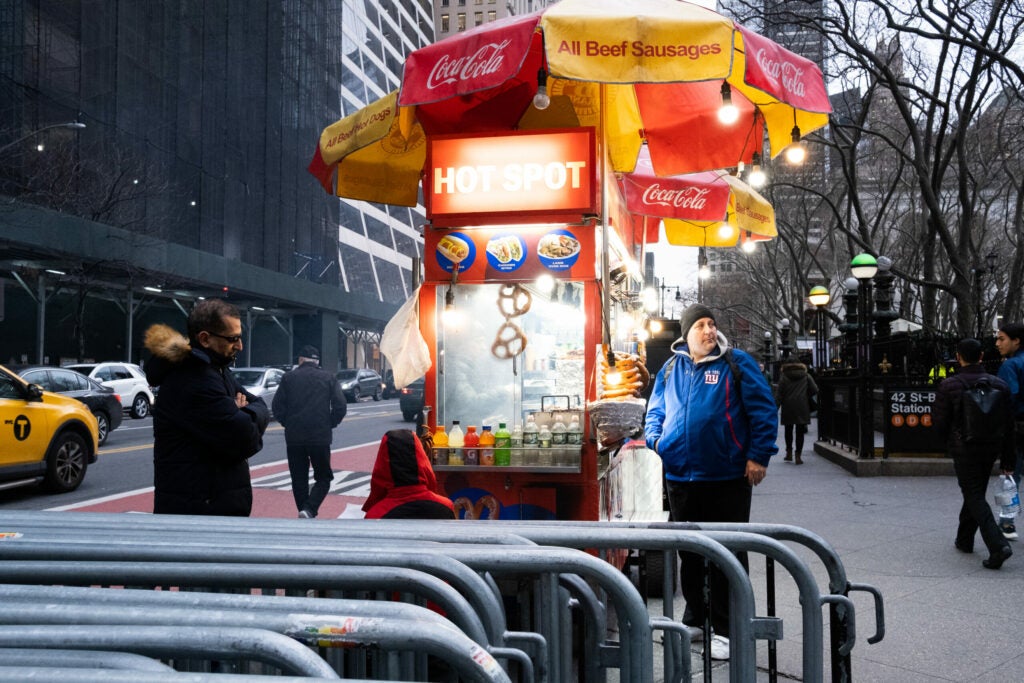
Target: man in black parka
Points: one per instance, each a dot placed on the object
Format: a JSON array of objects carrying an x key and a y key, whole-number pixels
[
  {"x": 205, "y": 425},
  {"x": 309, "y": 404}
]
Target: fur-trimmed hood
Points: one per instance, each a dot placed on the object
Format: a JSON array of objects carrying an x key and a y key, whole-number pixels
[{"x": 169, "y": 348}]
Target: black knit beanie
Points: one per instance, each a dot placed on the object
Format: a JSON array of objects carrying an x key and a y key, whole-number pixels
[{"x": 691, "y": 315}]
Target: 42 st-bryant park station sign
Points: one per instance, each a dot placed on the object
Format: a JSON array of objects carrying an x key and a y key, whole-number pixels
[{"x": 520, "y": 177}]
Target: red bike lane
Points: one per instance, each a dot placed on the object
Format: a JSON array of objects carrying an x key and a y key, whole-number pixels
[{"x": 271, "y": 488}]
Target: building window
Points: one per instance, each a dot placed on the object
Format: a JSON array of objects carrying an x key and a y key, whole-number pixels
[
  {"x": 492, "y": 15},
  {"x": 444, "y": 3},
  {"x": 478, "y": 18},
  {"x": 462, "y": 22},
  {"x": 446, "y": 23}
]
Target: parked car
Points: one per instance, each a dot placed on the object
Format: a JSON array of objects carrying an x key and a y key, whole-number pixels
[
  {"x": 410, "y": 399},
  {"x": 262, "y": 382},
  {"x": 362, "y": 382},
  {"x": 104, "y": 403},
  {"x": 389, "y": 385},
  {"x": 45, "y": 436},
  {"x": 126, "y": 379}
]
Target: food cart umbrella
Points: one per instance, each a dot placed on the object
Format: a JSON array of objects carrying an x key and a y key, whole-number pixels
[
  {"x": 645, "y": 71},
  {"x": 708, "y": 209}
]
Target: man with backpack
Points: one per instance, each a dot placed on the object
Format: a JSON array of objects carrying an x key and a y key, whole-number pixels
[
  {"x": 1009, "y": 342},
  {"x": 712, "y": 420},
  {"x": 973, "y": 414}
]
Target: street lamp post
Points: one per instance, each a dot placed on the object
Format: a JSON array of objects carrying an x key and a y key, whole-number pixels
[
  {"x": 73, "y": 125},
  {"x": 784, "y": 346},
  {"x": 864, "y": 267},
  {"x": 766, "y": 355},
  {"x": 819, "y": 298},
  {"x": 979, "y": 272}
]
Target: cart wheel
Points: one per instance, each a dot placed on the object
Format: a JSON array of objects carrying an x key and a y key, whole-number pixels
[{"x": 652, "y": 569}]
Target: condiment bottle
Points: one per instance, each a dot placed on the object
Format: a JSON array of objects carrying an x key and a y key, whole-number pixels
[{"x": 455, "y": 443}]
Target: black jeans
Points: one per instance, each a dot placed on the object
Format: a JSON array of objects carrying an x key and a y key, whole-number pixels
[
  {"x": 788, "y": 435},
  {"x": 972, "y": 474},
  {"x": 300, "y": 457},
  {"x": 707, "y": 501}
]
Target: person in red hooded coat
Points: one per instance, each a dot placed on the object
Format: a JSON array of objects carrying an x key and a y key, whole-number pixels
[{"x": 403, "y": 485}]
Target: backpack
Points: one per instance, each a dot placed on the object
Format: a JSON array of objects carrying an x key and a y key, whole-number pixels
[
  {"x": 982, "y": 412},
  {"x": 734, "y": 368}
]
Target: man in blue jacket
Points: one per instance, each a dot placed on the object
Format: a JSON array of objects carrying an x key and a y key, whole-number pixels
[
  {"x": 1008, "y": 341},
  {"x": 713, "y": 421}
]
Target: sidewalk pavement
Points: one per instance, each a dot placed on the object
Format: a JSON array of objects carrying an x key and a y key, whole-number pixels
[{"x": 947, "y": 618}]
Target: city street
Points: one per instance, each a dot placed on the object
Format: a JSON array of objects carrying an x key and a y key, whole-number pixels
[{"x": 122, "y": 479}]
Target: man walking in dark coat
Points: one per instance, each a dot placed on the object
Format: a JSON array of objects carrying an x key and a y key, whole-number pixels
[
  {"x": 205, "y": 425},
  {"x": 972, "y": 461},
  {"x": 309, "y": 404}
]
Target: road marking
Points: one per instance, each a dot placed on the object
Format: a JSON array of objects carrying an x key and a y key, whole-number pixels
[{"x": 149, "y": 489}]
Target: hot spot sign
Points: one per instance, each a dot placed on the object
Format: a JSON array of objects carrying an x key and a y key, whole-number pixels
[{"x": 511, "y": 177}]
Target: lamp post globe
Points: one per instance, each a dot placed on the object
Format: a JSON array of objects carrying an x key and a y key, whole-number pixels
[
  {"x": 819, "y": 296},
  {"x": 864, "y": 266}
]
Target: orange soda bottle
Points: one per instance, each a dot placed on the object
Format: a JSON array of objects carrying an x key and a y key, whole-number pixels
[
  {"x": 440, "y": 446},
  {"x": 487, "y": 446}
]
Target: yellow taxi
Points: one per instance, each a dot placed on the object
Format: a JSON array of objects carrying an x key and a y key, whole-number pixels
[{"x": 43, "y": 436}]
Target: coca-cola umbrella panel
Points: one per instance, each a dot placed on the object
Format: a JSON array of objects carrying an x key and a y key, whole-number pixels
[
  {"x": 646, "y": 71},
  {"x": 707, "y": 209}
]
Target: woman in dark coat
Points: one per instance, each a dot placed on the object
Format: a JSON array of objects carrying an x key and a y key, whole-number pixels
[{"x": 793, "y": 396}]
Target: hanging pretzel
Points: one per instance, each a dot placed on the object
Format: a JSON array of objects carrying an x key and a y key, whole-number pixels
[{"x": 513, "y": 301}]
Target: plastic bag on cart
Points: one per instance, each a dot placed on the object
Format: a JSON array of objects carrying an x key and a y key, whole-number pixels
[
  {"x": 617, "y": 420},
  {"x": 403, "y": 345}
]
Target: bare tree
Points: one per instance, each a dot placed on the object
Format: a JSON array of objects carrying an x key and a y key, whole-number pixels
[{"x": 923, "y": 156}]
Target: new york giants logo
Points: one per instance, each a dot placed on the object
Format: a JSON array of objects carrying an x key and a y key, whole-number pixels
[{"x": 711, "y": 377}]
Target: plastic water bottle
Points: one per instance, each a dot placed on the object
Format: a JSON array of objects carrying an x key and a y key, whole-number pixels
[
  {"x": 455, "y": 442},
  {"x": 531, "y": 438},
  {"x": 517, "y": 446},
  {"x": 574, "y": 434},
  {"x": 545, "y": 458},
  {"x": 1008, "y": 498}
]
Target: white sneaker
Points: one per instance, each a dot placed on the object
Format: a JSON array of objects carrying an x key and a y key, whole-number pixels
[
  {"x": 1009, "y": 530},
  {"x": 696, "y": 633},
  {"x": 719, "y": 648}
]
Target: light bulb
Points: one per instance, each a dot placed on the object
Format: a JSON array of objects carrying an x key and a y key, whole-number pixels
[
  {"x": 757, "y": 177},
  {"x": 749, "y": 246},
  {"x": 541, "y": 100},
  {"x": 704, "y": 272},
  {"x": 796, "y": 153},
  {"x": 728, "y": 114}
]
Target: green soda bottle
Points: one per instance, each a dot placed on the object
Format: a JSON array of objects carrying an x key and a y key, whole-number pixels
[{"x": 502, "y": 446}]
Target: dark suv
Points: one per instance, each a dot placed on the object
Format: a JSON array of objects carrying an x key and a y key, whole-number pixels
[
  {"x": 410, "y": 400},
  {"x": 356, "y": 383}
]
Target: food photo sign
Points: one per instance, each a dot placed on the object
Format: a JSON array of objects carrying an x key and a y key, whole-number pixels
[{"x": 500, "y": 253}]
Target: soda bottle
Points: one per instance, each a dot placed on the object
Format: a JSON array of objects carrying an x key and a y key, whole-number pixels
[
  {"x": 545, "y": 458},
  {"x": 517, "y": 446},
  {"x": 455, "y": 443},
  {"x": 487, "y": 446},
  {"x": 471, "y": 450},
  {"x": 531, "y": 437},
  {"x": 440, "y": 446},
  {"x": 502, "y": 446}
]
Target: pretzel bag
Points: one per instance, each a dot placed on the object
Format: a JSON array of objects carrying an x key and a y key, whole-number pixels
[{"x": 403, "y": 345}]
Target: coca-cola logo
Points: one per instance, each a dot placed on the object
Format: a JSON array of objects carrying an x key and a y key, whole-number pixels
[
  {"x": 683, "y": 198},
  {"x": 788, "y": 74},
  {"x": 448, "y": 69}
]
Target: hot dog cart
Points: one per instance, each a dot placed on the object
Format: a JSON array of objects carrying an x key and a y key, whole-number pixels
[{"x": 529, "y": 307}]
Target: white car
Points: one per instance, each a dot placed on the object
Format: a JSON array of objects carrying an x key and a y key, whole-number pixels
[
  {"x": 262, "y": 382},
  {"x": 126, "y": 379}
]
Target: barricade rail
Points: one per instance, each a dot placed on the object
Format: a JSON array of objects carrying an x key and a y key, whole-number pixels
[{"x": 287, "y": 554}]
